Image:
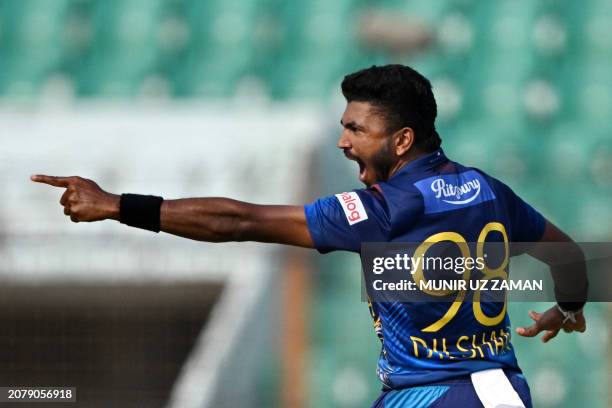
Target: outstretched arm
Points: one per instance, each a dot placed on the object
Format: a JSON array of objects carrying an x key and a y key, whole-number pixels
[
  {"x": 224, "y": 219},
  {"x": 202, "y": 219},
  {"x": 568, "y": 269}
]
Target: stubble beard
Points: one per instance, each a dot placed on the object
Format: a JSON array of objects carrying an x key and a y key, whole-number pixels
[{"x": 383, "y": 161}]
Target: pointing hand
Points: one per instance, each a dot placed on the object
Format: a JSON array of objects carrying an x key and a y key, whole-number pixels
[{"x": 83, "y": 199}]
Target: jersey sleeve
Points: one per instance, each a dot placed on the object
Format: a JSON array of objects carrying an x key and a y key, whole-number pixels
[
  {"x": 527, "y": 224},
  {"x": 341, "y": 222}
]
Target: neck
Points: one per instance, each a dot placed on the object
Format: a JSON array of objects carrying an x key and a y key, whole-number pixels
[{"x": 406, "y": 159}]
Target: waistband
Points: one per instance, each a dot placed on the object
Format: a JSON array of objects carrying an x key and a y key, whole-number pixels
[{"x": 461, "y": 379}]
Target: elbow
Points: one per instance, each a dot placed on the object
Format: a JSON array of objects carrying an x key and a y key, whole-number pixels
[
  {"x": 574, "y": 253},
  {"x": 246, "y": 223},
  {"x": 240, "y": 230},
  {"x": 225, "y": 226},
  {"x": 561, "y": 253},
  {"x": 227, "y": 229},
  {"x": 239, "y": 225},
  {"x": 238, "y": 222}
]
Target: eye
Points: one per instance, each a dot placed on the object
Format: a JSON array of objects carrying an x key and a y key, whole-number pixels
[{"x": 352, "y": 128}]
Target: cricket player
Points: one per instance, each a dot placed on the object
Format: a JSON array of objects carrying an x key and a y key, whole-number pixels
[{"x": 434, "y": 354}]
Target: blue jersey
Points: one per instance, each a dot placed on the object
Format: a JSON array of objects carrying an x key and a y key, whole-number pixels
[{"x": 431, "y": 199}]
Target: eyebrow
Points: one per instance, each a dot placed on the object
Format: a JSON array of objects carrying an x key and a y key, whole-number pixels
[{"x": 351, "y": 125}]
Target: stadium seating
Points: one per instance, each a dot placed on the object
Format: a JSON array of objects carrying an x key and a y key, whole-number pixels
[{"x": 524, "y": 89}]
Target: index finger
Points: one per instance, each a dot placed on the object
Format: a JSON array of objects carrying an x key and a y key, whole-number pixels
[{"x": 52, "y": 180}]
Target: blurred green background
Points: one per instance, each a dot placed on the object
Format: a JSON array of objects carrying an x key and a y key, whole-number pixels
[{"x": 524, "y": 90}]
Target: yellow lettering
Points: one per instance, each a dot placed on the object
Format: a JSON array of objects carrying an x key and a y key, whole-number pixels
[
  {"x": 435, "y": 349},
  {"x": 506, "y": 336},
  {"x": 475, "y": 347},
  {"x": 485, "y": 342},
  {"x": 420, "y": 341},
  {"x": 498, "y": 344},
  {"x": 444, "y": 349},
  {"x": 465, "y": 338}
]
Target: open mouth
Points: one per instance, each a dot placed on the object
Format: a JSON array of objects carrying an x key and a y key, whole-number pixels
[
  {"x": 362, "y": 170},
  {"x": 362, "y": 167}
]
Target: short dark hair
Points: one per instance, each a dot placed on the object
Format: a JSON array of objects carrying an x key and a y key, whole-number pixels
[{"x": 404, "y": 96}]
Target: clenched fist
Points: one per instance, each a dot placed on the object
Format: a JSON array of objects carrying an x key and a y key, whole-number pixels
[{"x": 83, "y": 199}]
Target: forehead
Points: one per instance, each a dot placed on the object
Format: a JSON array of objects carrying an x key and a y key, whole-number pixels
[{"x": 364, "y": 114}]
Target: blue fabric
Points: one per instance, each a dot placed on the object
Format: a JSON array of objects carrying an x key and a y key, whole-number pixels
[
  {"x": 448, "y": 394},
  {"x": 418, "y": 397},
  {"x": 425, "y": 197}
]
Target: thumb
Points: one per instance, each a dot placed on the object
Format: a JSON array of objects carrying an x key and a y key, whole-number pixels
[{"x": 535, "y": 316}]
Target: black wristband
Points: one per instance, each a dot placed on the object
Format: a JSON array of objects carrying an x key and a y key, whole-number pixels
[
  {"x": 571, "y": 306},
  {"x": 572, "y": 302},
  {"x": 140, "y": 211}
]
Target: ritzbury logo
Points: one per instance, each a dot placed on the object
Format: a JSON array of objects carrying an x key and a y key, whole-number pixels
[
  {"x": 453, "y": 191},
  {"x": 454, "y": 194}
]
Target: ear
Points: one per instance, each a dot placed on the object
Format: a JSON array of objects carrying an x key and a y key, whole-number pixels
[{"x": 404, "y": 140}]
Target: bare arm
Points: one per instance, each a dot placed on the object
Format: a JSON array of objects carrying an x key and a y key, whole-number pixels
[
  {"x": 566, "y": 261},
  {"x": 202, "y": 219},
  {"x": 224, "y": 219},
  {"x": 568, "y": 269}
]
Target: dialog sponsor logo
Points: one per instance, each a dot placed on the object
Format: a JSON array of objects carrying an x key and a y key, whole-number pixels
[{"x": 353, "y": 207}]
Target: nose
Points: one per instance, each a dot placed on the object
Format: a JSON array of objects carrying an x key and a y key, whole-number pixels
[{"x": 344, "y": 141}]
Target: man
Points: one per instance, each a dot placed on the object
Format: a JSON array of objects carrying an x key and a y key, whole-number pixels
[{"x": 431, "y": 354}]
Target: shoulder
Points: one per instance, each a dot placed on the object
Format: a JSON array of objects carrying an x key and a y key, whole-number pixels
[{"x": 356, "y": 208}]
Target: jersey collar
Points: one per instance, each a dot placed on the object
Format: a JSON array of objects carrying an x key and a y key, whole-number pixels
[{"x": 424, "y": 163}]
